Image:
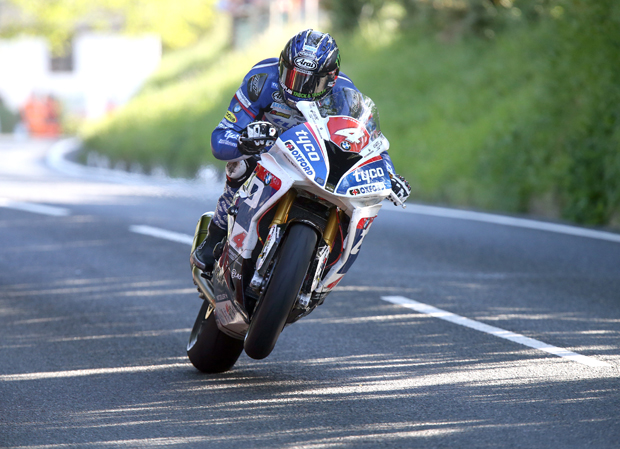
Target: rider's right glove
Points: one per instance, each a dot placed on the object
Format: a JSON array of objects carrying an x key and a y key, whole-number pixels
[
  {"x": 256, "y": 137},
  {"x": 401, "y": 188}
]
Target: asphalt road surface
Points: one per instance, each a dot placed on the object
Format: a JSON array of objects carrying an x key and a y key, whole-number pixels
[{"x": 451, "y": 330}]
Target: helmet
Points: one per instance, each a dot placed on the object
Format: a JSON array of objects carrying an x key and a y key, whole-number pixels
[{"x": 309, "y": 66}]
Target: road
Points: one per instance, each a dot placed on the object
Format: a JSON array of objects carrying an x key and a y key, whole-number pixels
[{"x": 450, "y": 331}]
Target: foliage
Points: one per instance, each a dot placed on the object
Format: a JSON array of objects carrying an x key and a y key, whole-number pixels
[
  {"x": 169, "y": 123},
  {"x": 179, "y": 23},
  {"x": 569, "y": 147},
  {"x": 440, "y": 104},
  {"x": 451, "y": 18},
  {"x": 515, "y": 111}
]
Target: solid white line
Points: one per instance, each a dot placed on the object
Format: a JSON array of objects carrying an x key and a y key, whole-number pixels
[
  {"x": 511, "y": 221},
  {"x": 163, "y": 234},
  {"x": 89, "y": 372},
  {"x": 34, "y": 208},
  {"x": 517, "y": 338}
]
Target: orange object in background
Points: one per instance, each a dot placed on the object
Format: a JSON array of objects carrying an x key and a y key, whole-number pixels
[{"x": 42, "y": 116}]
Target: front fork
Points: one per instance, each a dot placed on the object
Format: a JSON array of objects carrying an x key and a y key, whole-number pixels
[{"x": 273, "y": 240}]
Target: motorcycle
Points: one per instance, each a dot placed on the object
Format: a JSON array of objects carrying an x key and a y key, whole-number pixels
[{"x": 294, "y": 229}]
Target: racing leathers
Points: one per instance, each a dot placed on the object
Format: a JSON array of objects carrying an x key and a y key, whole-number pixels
[{"x": 257, "y": 99}]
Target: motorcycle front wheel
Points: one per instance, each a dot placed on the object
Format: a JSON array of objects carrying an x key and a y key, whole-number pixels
[
  {"x": 209, "y": 349},
  {"x": 288, "y": 276}
]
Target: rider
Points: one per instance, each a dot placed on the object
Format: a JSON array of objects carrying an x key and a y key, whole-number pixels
[{"x": 265, "y": 105}]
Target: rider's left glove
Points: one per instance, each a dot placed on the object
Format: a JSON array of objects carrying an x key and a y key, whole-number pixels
[
  {"x": 401, "y": 188},
  {"x": 256, "y": 137}
]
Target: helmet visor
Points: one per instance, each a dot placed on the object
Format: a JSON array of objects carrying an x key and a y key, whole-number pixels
[{"x": 305, "y": 85}]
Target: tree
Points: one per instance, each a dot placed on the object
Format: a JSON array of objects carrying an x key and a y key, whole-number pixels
[{"x": 178, "y": 23}]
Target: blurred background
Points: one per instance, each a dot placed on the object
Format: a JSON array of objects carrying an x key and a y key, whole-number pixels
[{"x": 501, "y": 105}]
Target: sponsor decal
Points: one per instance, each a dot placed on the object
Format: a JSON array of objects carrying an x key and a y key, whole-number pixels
[
  {"x": 281, "y": 107},
  {"x": 231, "y": 135},
  {"x": 268, "y": 178},
  {"x": 305, "y": 142},
  {"x": 222, "y": 297},
  {"x": 243, "y": 99},
  {"x": 320, "y": 181},
  {"x": 306, "y": 63},
  {"x": 299, "y": 157},
  {"x": 277, "y": 96},
  {"x": 280, "y": 114},
  {"x": 274, "y": 85},
  {"x": 370, "y": 188},
  {"x": 230, "y": 117},
  {"x": 300, "y": 94},
  {"x": 255, "y": 85},
  {"x": 235, "y": 275},
  {"x": 225, "y": 125},
  {"x": 236, "y": 108},
  {"x": 227, "y": 142},
  {"x": 346, "y": 146},
  {"x": 368, "y": 175}
]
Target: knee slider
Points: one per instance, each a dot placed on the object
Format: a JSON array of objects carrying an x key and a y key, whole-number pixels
[{"x": 238, "y": 172}]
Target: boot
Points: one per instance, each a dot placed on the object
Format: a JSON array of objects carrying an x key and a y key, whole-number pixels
[{"x": 203, "y": 257}]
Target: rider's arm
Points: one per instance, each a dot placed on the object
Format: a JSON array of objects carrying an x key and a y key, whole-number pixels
[{"x": 245, "y": 107}]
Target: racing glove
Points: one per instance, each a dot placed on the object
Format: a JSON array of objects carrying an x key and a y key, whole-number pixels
[
  {"x": 401, "y": 188},
  {"x": 256, "y": 137}
]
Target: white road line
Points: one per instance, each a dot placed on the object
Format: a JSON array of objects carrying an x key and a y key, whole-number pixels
[
  {"x": 511, "y": 221},
  {"x": 163, "y": 234},
  {"x": 34, "y": 208},
  {"x": 422, "y": 308},
  {"x": 89, "y": 372},
  {"x": 517, "y": 338}
]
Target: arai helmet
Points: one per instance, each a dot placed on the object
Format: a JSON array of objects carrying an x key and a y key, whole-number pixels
[{"x": 309, "y": 66}]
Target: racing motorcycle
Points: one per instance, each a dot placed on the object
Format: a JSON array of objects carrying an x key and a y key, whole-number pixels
[{"x": 294, "y": 229}]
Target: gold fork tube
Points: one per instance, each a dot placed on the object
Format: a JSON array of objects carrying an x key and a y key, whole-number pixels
[
  {"x": 331, "y": 228},
  {"x": 284, "y": 207}
]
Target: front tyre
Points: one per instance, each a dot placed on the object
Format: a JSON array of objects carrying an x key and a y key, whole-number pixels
[
  {"x": 288, "y": 276},
  {"x": 209, "y": 349}
]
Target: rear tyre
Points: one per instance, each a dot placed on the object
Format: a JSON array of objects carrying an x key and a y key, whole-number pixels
[
  {"x": 209, "y": 349},
  {"x": 288, "y": 276}
]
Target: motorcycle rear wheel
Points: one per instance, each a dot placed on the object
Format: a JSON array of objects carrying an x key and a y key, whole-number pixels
[
  {"x": 288, "y": 276},
  {"x": 209, "y": 349}
]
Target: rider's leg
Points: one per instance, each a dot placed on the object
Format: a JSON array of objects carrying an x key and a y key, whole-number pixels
[{"x": 236, "y": 174}]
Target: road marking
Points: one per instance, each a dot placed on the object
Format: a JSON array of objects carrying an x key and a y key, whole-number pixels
[
  {"x": 34, "y": 208},
  {"x": 162, "y": 234},
  {"x": 89, "y": 372},
  {"x": 511, "y": 221},
  {"x": 498, "y": 332},
  {"x": 422, "y": 308}
]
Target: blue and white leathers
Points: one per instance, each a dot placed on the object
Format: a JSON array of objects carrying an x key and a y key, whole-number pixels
[
  {"x": 328, "y": 169},
  {"x": 259, "y": 98}
]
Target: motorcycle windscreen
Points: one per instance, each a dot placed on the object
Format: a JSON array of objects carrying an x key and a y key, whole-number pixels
[{"x": 304, "y": 150}]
